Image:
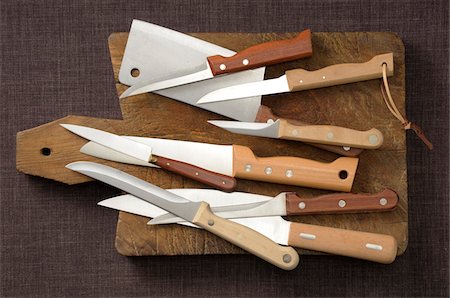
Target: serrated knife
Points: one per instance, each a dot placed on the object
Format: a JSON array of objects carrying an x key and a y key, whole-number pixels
[
  {"x": 143, "y": 153},
  {"x": 240, "y": 162},
  {"x": 368, "y": 246},
  {"x": 197, "y": 213}
]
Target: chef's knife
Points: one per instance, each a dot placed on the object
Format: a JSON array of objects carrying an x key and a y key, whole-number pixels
[
  {"x": 300, "y": 79},
  {"x": 240, "y": 162},
  {"x": 291, "y": 204},
  {"x": 143, "y": 153},
  {"x": 267, "y": 53},
  {"x": 369, "y": 246},
  {"x": 197, "y": 213},
  {"x": 159, "y": 54}
]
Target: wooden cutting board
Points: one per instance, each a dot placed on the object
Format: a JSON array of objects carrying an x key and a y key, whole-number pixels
[{"x": 45, "y": 150}]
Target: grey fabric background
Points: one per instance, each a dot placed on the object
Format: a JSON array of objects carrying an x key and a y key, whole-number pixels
[{"x": 55, "y": 242}]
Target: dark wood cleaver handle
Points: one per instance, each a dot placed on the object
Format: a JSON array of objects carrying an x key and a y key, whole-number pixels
[
  {"x": 263, "y": 54},
  {"x": 219, "y": 181},
  {"x": 341, "y": 203}
]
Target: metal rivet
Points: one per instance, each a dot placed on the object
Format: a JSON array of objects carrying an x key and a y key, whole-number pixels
[
  {"x": 268, "y": 171},
  {"x": 330, "y": 135},
  {"x": 373, "y": 139},
  {"x": 374, "y": 246},
  {"x": 383, "y": 201},
  {"x": 222, "y": 66},
  {"x": 248, "y": 168},
  {"x": 289, "y": 173},
  {"x": 245, "y": 61},
  {"x": 307, "y": 236},
  {"x": 342, "y": 203},
  {"x": 167, "y": 163},
  {"x": 294, "y": 132},
  {"x": 323, "y": 78},
  {"x": 301, "y": 81},
  {"x": 287, "y": 258},
  {"x": 196, "y": 173},
  {"x": 302, "y": 205},
  {"x": 210, "y": 222},
  {"x": 223, "y": 182},
  {"x": 346, "y": 148}
]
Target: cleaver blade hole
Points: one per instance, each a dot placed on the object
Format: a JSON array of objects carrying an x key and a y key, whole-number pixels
[
  {"x": 343, "y": 174},
  {"x": 46, "y": 151},
  {"x": 135, "y": 72}
]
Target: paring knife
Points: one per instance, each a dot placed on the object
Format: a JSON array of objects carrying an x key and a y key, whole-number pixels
[
  {"x": 253, "y": 57},
  {"x": 197, "y": 213},
  {"x": 240, "y": 162},
  {"x": 300, "y": 79},
  {"x": 291, "y": 204},
  {"x": 159, "y": 54},
  {"x": 143, "y": 153},
  {"x": 369, "y": 246}
]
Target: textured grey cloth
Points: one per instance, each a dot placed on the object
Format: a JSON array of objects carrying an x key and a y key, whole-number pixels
[{"x": 55, "y": 242}]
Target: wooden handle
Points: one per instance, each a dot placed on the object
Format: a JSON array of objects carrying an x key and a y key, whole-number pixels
[
  {"x": 300, "y": 79},
  {"x": 281, "y": 256},
  {"x": 331, "y": 135},
  {"x": 265, "y": 114},
  {"x": 341, "y": 203},
  {"x": 268, "y": 53},
  {"x": 218, "y": 181},
  {"x": 337, "y": 175},
  {"x": 362, "y": 245}
]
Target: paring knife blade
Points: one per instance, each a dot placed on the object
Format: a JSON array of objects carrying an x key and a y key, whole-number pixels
[
  {"x": 197, "y": 213},
  {"x": 369, "y": 246},
  {"x": 143, "y": 153}
]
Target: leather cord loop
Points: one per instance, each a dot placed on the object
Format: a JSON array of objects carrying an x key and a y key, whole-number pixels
[{"x": 388, "y": 100}]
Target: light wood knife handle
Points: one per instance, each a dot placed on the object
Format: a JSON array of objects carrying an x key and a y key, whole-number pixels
[
  {"x": 219, "y": 181},
  {"x": 374, "y": 247},
  {"x": 331, "y": 135},
  {"x": 341, "y": 203},
  {"x": 268, "y": 53},
  {"x": 337, "y": 175},
  {"x": 300, "y": 79},
  {"x": 284, "y": 257}
]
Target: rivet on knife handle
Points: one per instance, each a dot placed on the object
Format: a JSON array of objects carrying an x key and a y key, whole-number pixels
[
  {"x": 341, "y": 203},
  {"x": 215, "y": 180},
  {"x": 362, "y": 245},
  {"x": 284, "y": 257},
  {"x": 268, "y": 53},
  {"x": 300, "y": 79}
]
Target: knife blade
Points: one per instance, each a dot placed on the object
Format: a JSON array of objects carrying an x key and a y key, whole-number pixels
[
  {"x": 263, "y": 54},
  {"x": 157, "y": 53},
  {"x": 300, "y": 79},
  {"x": 143, "y": 152},
  {"x": 240, "y": 162},
  {"x": 368, "y": 246},
  {"x": 288, "y": 204},
  {"x": 197, "y": 213}
]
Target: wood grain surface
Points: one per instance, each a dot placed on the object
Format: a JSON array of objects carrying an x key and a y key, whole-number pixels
[{"x": 359, "y": 106}]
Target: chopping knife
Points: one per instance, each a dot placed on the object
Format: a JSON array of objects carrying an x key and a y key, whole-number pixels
[
  {"x": 267, "y": 53},
  {"x": 369, "y": 246},
  {"x": 197, "y": 213},
  {"x": 289, "y": 203},
  {"x": 240, "y": 162},
  {"x": 159, "y": 54},
  {"x": 143, "y": 153},
  {"x": 300, "y": 79}
]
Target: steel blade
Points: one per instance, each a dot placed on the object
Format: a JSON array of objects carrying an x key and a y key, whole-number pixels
[
  {"x": 269, "y": 130},
  {"x": 265, "y": 87},
  {"x": 117, "y": 143},
  {"x": 215, "y": 158},
  {"x": 139, "y": 188}
]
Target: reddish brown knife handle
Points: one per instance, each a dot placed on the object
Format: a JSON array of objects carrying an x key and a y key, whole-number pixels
[
  {"x": 265, "y": 114},
  {"x": 263, "y": 54},
  {"x": 219, "y": 181},
  {"x": 341, "y": 203}
]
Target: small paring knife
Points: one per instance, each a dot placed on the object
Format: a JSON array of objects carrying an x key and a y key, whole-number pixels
[{"x": 197, "y": 213}]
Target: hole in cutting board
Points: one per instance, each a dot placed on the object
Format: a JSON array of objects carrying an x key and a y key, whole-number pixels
[
  {"x": 46, "y": 151},
  {"x": 135, "y": 72},
  {"x": 343, "y": 174}
]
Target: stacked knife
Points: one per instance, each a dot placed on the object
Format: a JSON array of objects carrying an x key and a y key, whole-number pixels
[{"x": 231, "y": 84}]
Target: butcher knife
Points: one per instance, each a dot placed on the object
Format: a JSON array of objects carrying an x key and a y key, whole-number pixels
[
  {"x": 197, "y": 213},
  {"x": 240, "y": 162}
]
